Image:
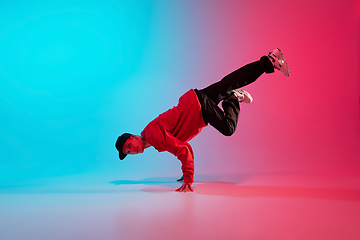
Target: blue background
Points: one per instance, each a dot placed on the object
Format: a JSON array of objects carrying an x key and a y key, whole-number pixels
[{"x": 60, "y": 62}]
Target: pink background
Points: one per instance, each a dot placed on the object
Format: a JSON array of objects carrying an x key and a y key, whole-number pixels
[{"x": 306, "y": 123}]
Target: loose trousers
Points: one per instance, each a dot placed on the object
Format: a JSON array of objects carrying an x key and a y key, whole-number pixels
[{"x": 225, "y": 121}]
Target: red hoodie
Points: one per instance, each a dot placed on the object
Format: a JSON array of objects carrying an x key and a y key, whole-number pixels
[{"x": 172, "y": 130}]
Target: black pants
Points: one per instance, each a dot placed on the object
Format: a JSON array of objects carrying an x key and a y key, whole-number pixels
[{"x": 226, "y": 121}]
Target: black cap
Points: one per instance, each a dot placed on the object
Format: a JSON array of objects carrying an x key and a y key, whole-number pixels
[{"x": 120, "y": 143}]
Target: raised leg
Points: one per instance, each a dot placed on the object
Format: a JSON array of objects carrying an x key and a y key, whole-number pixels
[
  {"x": 237, "y": 79},
  {"x": 225, "y": 121}
]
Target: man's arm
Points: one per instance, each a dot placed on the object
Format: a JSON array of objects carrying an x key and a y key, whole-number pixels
[
  {"x": 163, "y": 140},
  {"x": 184, "y": 153}
]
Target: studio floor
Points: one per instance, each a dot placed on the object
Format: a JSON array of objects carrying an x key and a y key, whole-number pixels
[{"x": 221, "y": 207}]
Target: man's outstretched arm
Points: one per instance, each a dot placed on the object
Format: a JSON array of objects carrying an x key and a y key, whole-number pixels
[{"x": 183, "y": 152}]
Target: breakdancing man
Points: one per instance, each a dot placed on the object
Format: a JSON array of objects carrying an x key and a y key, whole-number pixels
[{"x": 172, "y": 130}]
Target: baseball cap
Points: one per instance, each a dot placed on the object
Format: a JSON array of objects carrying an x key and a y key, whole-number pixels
[{"x": 120, "y": 143}]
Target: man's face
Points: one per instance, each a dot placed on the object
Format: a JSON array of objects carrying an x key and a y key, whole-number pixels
[{"x": 133, "y": 145}]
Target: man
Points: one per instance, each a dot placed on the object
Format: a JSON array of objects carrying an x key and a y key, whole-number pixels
[{"x": 172, "y": 130}]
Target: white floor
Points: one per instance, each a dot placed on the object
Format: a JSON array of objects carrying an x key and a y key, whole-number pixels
[{"x": 222, "y": 207}]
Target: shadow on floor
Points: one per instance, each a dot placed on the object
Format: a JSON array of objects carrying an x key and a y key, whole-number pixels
[
  {"x": 165, "y": 185},
  {"x": 168, "y": 181}
]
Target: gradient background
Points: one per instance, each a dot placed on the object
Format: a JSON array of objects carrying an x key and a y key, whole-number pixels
[{"x": 76, "y": 74}]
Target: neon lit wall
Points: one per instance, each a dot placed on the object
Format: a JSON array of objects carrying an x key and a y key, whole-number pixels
[{"x": 75, "y": 75}]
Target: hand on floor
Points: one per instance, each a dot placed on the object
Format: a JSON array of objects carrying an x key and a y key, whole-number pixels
[{"x": 185, "y": 187}]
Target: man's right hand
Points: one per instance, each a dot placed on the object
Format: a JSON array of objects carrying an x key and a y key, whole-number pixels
[{"x": 185, "y": 187}]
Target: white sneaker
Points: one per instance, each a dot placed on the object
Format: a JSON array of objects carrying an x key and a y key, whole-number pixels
[
  {"x": 278, "y": 61},
  {"x": 242, "y": 96}
]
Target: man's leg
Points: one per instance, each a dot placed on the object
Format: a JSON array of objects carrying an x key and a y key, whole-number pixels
[
  {"x": 237, "y": 79},
  {"x": 226, "y": 121}
]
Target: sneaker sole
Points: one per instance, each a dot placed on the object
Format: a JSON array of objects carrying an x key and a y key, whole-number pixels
[
  {"x": 287, "y": 67},
  {"x": 247, "y": 97}
]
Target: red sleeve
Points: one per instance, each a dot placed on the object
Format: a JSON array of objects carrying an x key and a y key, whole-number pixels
[
  {"x": 184, "y": 153},
  {"x": 163, "y": 140}
]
